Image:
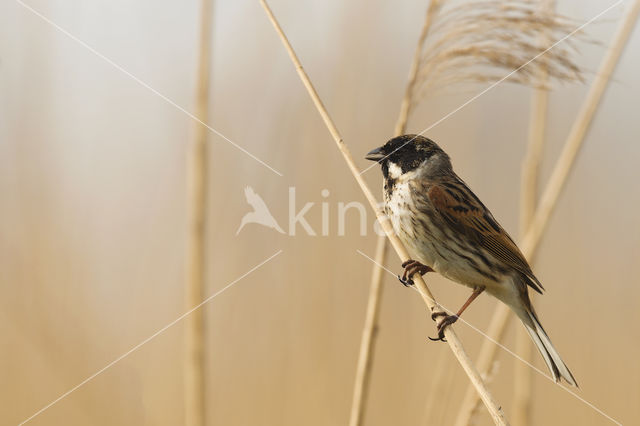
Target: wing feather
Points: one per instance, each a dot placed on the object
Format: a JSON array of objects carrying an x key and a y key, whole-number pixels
[{"x": 464, "y": 212}]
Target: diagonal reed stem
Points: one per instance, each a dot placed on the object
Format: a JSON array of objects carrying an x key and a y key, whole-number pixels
[
  {"x": 552, "y": 191},
  {"x": 452, "y": 339}
]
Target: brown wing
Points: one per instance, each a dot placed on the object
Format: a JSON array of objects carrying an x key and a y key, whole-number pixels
[{"x": 466, "y": 214}]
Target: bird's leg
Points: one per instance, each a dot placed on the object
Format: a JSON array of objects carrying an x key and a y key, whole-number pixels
[
  {"x": 411, "y": 267},
  {"x": 450, "y": 319}
]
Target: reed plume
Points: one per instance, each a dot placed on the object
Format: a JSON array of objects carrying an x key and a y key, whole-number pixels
[{"x": 481, "y": 41}]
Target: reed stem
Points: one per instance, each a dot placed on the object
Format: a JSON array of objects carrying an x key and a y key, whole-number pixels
[
  {"x": 523, "y": 374},
  {"x": 367, "y": 345},
  {"x": 554, "y": 187},
  {"x": 452, "y": 339},
  {"x": 197, "y": 190}
]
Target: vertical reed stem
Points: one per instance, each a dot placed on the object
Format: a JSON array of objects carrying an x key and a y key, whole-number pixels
[
  {"x": 197, "y": 191},
  {"x": 557, "y": 181},
  {"x": 407, "y": 100},
  {"x": 523, "y": 380},
  {"x": 367, "y": 345}
]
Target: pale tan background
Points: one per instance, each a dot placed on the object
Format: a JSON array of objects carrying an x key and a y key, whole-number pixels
[{"x": 92, "y": 218}]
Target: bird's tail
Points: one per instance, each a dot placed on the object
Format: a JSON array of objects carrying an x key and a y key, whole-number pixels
[{"x": 551, "y": 356}]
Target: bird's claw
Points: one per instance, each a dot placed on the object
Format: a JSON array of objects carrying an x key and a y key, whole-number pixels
[
  {"x": 411, "y": 267},
  {"x": 444, "y": 323},
  {"x": 405, "y": 281}
]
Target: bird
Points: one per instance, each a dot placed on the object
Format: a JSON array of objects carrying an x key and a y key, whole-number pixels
[
  {"x": 260, "y": 213},
  {"x": 447, "y": 229}
]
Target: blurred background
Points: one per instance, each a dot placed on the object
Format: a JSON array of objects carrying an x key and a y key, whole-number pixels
[{"x": 94, "y": 213}]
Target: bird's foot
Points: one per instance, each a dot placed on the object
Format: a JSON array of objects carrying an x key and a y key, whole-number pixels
[
  {"x": 444, "y": 323},
  {"x": 411, "y": 267}
]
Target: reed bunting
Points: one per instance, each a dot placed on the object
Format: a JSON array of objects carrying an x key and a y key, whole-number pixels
[{"x": 447, "y": 229}]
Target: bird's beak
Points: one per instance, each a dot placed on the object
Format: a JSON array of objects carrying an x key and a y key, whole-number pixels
[{"x": 375, "y": 155}]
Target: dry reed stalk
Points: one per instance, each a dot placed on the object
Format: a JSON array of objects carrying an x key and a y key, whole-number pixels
[
  {"x": 523, "y": 374},
  {"x": 452, "y": 339},
  {"x": 197, "y": 190},
  {"x": 412, "y": 81},
  {"x": 580, "y": 126},
  {"x": 555, "y": 185},
  {"x": 496, "y": 330},
  {"x": 367, "y": 344}
]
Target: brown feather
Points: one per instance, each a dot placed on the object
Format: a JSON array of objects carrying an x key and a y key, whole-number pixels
[{"x": 471, "y": 218}]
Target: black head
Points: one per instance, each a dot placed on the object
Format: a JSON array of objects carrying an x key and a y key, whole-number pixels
[{"x": 406, "y": 153}]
